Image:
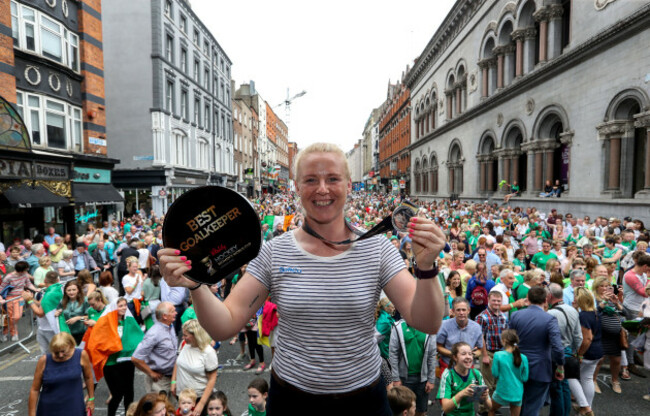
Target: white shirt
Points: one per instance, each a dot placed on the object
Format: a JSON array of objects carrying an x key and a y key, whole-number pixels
[
  {"x": 110, "y": 293},
  {"x": 129, "y": 281},
  {"x": 500, "y": 287},
  {"x": 143, "y": 258},
  {"x": 191, "y": 367}
]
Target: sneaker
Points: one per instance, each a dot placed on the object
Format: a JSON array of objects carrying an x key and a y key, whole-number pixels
[
  {"x": 616, "y": 387},
  {"x": 249, "y": 365},
  {"x": 240, "y": 356},
  {"x": 260, "y": 369},
  {"x": 636, "y": 371},
  {"x": 625, "y": 374},
  {"x": 14, "y": 337},
  {"x": 646, "y": 397},
  {"x": 3, "y": 338}
]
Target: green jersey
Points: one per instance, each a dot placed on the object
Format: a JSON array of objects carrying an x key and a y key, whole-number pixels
[
  {"x": 540, "y": 259},
  {"x": 451, "y": 383}
]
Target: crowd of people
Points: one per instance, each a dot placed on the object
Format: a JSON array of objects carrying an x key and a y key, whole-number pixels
[{"x": 532, "y": 304}]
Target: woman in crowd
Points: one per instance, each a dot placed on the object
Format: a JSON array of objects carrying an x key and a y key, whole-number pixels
[
  {"x": 106, "y": 286},
  {"x": 143, "y": 257},
  {"x": 57, "y": 388},
  {"x": 97, "y": 303},
  {"x": 453, "y": 287},
  {"x": 18, "y": 280},
  {"x": 132, "y": 282},
  {"x": 384, "y": 324},
  {"x": 44, "y": 266},
  {"x": 73, "y": 306},
  {"x": 407, "y": 254},
  {"x": 154, "y": 404},
  {"x": 519, "y": 261},
  {"x": 609, "y": 309},
  {"x": 85, "y": 280},
  {"x": 348, "y": 361},
  {"x": 591, "y": 351},
  {"x": 196, "y": 365},
  {"x": 66, "y": 266},
  {"x": 500, "y": 250},
  {"x": 454, "y": 230}
]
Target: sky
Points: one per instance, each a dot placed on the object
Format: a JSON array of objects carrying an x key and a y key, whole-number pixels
[{"x": 342, "y": 53}]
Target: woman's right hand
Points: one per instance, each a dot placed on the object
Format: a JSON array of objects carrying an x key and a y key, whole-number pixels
[
  {"x": 57, "y": 313},
  {"x": 467, "y": 391},
  {"x": 173, "y": 266}
]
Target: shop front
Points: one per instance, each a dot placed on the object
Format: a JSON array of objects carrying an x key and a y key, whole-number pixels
[{"x": 96, "y": 200}]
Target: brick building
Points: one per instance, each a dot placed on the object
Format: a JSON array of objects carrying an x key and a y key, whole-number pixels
[
  {"x": 245, "y": 145},
  {"x": 52, "y": 73},
  {"x": 534, "y": 91},
  {"x": 394, "y": 139},
  {"x": 277, "y": 134}
]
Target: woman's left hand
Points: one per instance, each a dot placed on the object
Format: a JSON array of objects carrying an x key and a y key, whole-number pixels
[
  {"x": 428, "y": 241},
  {"x": 90, "y": 405},
  {"x": 197, "y": 409}
]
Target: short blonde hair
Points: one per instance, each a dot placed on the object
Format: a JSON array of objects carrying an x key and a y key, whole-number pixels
[
  {"x": 62, "y": 341},
  {"x": 187, "y": 393},
  {"x": 202, "y": 338},
  {"x": 584, "y": 299},
  {"x": 66, "y": 254},
  {"x": 320, "y": 148},
  {"x": 43, "y": 260}
]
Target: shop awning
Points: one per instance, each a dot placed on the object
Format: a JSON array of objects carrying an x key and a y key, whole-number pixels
[
  {"x": 24, "y": 196},
  {"x": 95, "y": 193}
]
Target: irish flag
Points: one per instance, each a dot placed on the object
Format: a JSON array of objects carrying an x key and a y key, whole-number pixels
[
  {"x": 50, "y": 302},
  {"x": 109, "y": 336}
]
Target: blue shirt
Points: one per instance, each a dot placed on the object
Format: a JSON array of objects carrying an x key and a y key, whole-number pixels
[
  {"x": 450, "y": 333},
  {"x": 569, "y": 295},
  {"x": 158, "y": 348},
  {"x": 81, "y": 264},
  {"x": 490, "y": 260}
]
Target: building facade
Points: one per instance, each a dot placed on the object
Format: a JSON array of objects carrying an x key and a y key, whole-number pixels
[
  {"x": 56, "y": 171},
  {"x": 245, "y": 133},
  {"x": 394, "y": 139},
  {"x": 535, "y": 91},
  {"x": 277, "y": 134},
  {"x": 169, "y": 99}
]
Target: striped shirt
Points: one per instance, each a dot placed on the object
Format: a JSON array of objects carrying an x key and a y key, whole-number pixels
[
  {"x": 18, "y": 280},
  {"x": 325, "y": 335}
]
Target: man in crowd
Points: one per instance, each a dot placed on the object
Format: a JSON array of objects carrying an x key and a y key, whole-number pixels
[
  {"x": 56, "y": 249},
  {"x": 459, "y": 328},
  {"x": 46, "y": 325},
  {"x": 82, "y": 260},
  {"x": 38, "y": 251},
  {"x": 101, "y": 257},
  {"x": 485, "y": 255},
  {"x": 540, "y": 259},
  {"x": 51, "y": 236},
  {"x": 577, "y": 278},
  {"x": 156, "y": 354},
  {"x": 508, "y": 303},
  {"x": 541, "y": 342},
  {"x": 571, "y": 333}
]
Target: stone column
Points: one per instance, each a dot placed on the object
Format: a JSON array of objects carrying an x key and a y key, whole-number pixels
[
  {"x": 549, "y": 167},
  {"x": 541, "y": 16},
  {"x": 451, "y": 179},
  {"x": 615, "y": 163},
  {"x": 505, "y": 162},
  {"x": 515, "y": 169},
  {"x": 492, "y": 70},
  {"x": 459, "y": 108},
  {"x": 555, "y": 30},
  {"x": 433, "y": 115},
  {"x": 518, "y": 37},
  {"x": 498, "y": 51},
  {"x": 529, "y": 49},
  {"x": 539, "y": 182},
  {"x": 509, "y": 53},
  {"x": 647, "y": 160},
  {"x": 450, "y": 99},
  {"x": 483, "y": 183},
  {"x": 490, "y": 176},
  {"x": 483, "y": 64}
]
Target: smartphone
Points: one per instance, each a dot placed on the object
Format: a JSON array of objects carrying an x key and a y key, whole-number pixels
[{"x": 478, "y": 392}]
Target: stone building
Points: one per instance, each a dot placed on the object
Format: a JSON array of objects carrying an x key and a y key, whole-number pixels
[
  {"x": 534, "y": 91},
  {"x": 277, "y": 133},
  {"x": 245, "y": 145},
  {"x": 56, "y": 172},
  {"x": 169, "y": 102}
]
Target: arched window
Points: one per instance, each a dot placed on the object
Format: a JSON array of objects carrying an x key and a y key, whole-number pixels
[
  {"x": 418, "y": 173},
  {"x": 179, "y": 148},
  {"x": 434, "y": 175},
  {"x": 425, "y": 176},
  {"x": 514, "y": 161},
  {"x": 455, "y": 166}
]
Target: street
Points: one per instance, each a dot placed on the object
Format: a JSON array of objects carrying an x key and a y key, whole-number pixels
[{"x": 17, "y": 369}]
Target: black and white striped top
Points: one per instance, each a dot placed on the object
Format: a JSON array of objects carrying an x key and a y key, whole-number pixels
[{"x": 325, "y": 335}]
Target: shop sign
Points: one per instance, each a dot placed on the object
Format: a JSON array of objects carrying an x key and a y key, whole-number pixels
[
  {"x": 86, "y": 217},
  {"x": 20, "y": 169},
  {"x": 402, "y": 184},
  {"x": 90, "y": 175},
  {"x": 97, "y": 141}
]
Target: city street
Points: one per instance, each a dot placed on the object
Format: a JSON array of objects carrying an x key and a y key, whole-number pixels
[{"x": 17, "y": 369}]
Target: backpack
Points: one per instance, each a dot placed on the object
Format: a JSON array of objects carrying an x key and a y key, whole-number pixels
[{"x": 479, "y": 296}]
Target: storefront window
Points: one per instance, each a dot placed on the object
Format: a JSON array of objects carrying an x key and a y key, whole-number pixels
[{"x": 136, "y": 201}]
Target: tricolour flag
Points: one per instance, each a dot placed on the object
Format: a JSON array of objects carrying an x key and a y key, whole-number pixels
[
  {"x": 50, "y": 302},
  {"x": 104, "y": 338}
]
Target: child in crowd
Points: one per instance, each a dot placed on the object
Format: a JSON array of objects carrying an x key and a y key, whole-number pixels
[
  {"x": 218, "y": 405},
  {"x": 402, "y": 401},
  {"x": 510, "y": 369},
  {"x": 258, "y": 391},
  {"x": 458, "y": 382},
  {"x": 186, "y": 400}
]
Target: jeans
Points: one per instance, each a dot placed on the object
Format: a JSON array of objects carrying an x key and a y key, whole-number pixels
[
  {"x": 583, "y": 389},
  {"x": 560, "y": 398},
  {"x": 535, "y": 395}
]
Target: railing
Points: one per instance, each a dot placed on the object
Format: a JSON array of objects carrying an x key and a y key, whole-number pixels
[{"x": 17, "y": 320}]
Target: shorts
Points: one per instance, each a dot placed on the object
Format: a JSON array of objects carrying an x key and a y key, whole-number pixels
[
  {"x": 418, "y": 387},
  {"x": 502, "y": 402}
]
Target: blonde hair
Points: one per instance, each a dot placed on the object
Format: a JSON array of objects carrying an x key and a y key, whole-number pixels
[
  {"x": 598, "y": 282},
  {"x": 98, "y": 295},
  {"x": 584, "y": 299},
  {"x": 66, "y": 254},
  {"x": 61, "y": 341},
  {"x": 187, "y": 393},
  {"x": 43, "y": 260},
  {"x": 320, "y": 148},
  {"x": 132, "y": 259},
  {"x": 202, "y": 338}
]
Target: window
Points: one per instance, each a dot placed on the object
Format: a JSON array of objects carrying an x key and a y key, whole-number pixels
[
  {"x": 222, "y": 65},
  {"x": 169, "y": 98},
  {"x": 197, "y": 111},
  {"x": 221, "y": 91},
  {"x": 51, "y": 39},
  {"x": 203, "y": 154},
  {"x": 183, "y": 24},
  {"x": 206, "y": 78},
  {"x": 206, "y": 116},
  {"x": 215, "y": 86},
  {"x": 15, "y": 28},
  {"x": 180, "y": 149},
  {"x": 223, "y": 127},
  {"x": 206, "y": 48},
  {"x": 196, "y": 70},
  {"x": 169, "y": 48},
  {"x": 184, "y": 60},
  {"x": 184, "y": 104},
  {"x": 227, "y": 95},
  {"x": 51, "y": 123},
  {"x": 196, "y": 36},
  {"x": 168, "y": 8}
]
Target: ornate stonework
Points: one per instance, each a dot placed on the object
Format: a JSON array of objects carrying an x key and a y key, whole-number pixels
[
  {"x": 530, "y": 106},
  {"x": 642, "y": 120},
  {"x": 500, "y": 119},
  {"x": 33, "y": 75},
  {"x": 60, "y": 188},
  {"x": 473, "y": 81},
  {"x": 55, "y": 82}
]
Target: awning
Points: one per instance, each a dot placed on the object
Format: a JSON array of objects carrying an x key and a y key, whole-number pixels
[
  {"x": 95, "y": 194},
  {"x": 24, "y": 196}
]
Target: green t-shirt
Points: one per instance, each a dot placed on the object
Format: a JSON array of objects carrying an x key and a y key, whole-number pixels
[
  {"x": 93, "y": 314},
  {"x": 384, "y": 326},
  {"x": 522, "y": 291},
  {"x": 510, "y": 386},
  {"x": 608, "y": 253},
  {"x": 451, "y": 383},
  {"x": 414, "y": 343},
  {"x": 188, "y": 314},
  {"x": 629, "y": 245},
  {"x": 254, "y": 412},
  {"x": 521, "y": 264},
  {"x": 540, "y": 259}
]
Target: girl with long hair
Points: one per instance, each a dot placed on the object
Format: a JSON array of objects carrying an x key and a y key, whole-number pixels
[
  {"x": 453, "y": 287},
  {"x": 510, "y": 369},
  {"x": 458, "y": 381},
  {"x": 73, "y": 306}
]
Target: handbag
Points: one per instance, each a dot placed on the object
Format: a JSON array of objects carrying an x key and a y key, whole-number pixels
[
  {"x": 623, "y": 339},
  {"x": 571, "y": 362}
]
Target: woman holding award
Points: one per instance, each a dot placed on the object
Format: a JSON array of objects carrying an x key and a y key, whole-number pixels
[{"x": 326, "y": 286}]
